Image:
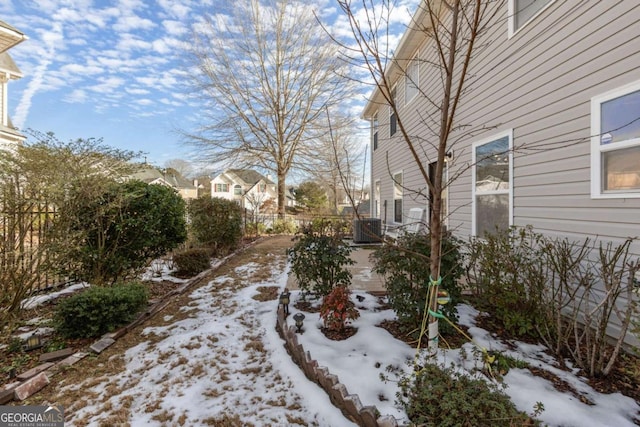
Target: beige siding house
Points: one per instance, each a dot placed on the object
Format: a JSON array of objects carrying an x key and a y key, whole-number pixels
[
  {"x": 553, "y": 97},
  {"x": 250, "y": 189},
  {"x": 560, "y": 85},
  {"x": 9, "y": 37}
]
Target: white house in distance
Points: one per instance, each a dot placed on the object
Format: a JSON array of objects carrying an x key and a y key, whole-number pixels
[
  {"x": 9, "y": 37},
  {"x": 554, "y": 98},
  {"x": 250, "y": 189},
  {"x": 169, "y": 178}
]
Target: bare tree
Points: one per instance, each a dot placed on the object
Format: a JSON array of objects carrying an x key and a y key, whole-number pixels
[
  {"x": 451, "y": 30},
  {"x": 267, "y": 72},
  {"x": 336, "y": 163},
  {"x": 183, "y": 167}
]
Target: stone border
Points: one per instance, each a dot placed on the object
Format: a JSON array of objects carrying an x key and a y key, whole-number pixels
[
  {"x": 349, "y": 404},
  {"x": 35, "y": 379}
]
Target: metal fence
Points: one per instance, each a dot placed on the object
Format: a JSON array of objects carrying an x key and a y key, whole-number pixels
[{"x": 24, "y": 260}]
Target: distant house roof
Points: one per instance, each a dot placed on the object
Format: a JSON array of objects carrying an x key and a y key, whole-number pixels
[
  {"x": 249, "y": 176},
  {"x": 170, "y": 176}
]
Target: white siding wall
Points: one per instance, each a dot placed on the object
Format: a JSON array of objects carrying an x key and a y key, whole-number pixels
[{"x": 539, "y": 83}]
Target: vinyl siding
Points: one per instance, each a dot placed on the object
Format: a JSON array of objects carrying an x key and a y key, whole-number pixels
[{"x": 539, "y": 83}]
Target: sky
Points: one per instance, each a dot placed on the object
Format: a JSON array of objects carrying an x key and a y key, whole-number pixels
[
  {"x": 115, "y": 69},
  {"x": 177, "y": 368}
]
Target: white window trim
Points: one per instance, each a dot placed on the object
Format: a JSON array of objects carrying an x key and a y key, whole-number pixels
[
  {"x": 393, "y": 182},
  {"x": 394, "y": 100},
  {"x": 512, "y": 17},
  {"x": 375, "y": 132},
  {"x": 377, "y": 191},
  {"x": 407, "y": 80},
  {"x": 597, "y": 149},
  {"x": 508, "y": 133}
]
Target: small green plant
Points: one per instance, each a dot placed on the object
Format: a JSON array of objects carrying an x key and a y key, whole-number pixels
[
  {"x": 282, "y": 226},
  {"x": 192, "y": 261},
  {"x": 337, "y": 309},
  {"x": 15, "y": 345},
  {"x": 55, "y": 344},
  {"x": 439, "y": 396},
  {"x": 98, "y": 310},
  {"x": 319, "y": 261},
  {"x": 405, "y": 268},
  {"x": 510, "y": 276}
]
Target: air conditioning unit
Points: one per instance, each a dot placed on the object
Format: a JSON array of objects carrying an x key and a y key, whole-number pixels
[{"x": 367, "y": 230}]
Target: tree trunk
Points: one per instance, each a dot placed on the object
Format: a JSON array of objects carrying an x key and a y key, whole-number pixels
[{"x": 282, "y": 187}]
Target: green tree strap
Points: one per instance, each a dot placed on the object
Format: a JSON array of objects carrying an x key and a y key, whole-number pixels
[
  {"x": 435, "y": 282},
  {"x": 436, "y": 314}
]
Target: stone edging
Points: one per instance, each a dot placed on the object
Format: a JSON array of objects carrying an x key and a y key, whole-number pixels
[
  {"x": 32, "y": 381},
  {"x": 349, "y": 404}
]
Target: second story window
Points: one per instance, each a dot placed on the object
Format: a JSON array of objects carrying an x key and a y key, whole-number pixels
[
  {"x": 237, "y": 190},
  {"x": 411, "y": 80},
  {"x": 393, "y": 120},
  {"x": 374, "y": 127},
  {"x": 523, "y": 11},
  {"x": 221, "y": 188}
]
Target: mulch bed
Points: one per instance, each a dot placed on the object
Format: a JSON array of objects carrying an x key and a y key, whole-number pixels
[{"x": 345, "y": 333}]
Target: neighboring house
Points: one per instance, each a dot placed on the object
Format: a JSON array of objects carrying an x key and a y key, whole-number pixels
[
  {"x": 554, "y": 96},
  {"x": 9, "y": 37},
  {"x": 170, "y": 178},
  {"x": 290, "y": 197},
  {"x": 249, "y": 188}
]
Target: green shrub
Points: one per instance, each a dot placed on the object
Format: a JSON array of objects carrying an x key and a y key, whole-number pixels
[
  {"x": 98, "y": 310},
  {"x": 406, "y": 271},
  {"x": 510, "y": 275},
  {"x": 192, "y": 261},
  {"x": 119, "y": 231},
  {"x": 284, "y": 226},
  {"x": 319, "y": 262},
  {"x": 446, "y": 397},
  {"x": 216, "y": 223}
]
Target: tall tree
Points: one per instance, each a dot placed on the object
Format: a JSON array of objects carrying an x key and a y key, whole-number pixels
[
  {"x": 451, "y": 31},
  {"x": 266, "y": 72},
  {"x": 336, "y": 162}
]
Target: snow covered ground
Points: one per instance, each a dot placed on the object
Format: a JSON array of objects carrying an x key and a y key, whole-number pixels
[{"x": 221, "y": 358}]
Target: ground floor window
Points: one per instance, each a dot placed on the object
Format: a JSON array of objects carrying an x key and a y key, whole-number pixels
[
  {"x": 615, "y": 143},
  {"x": 492, "y": 183},
  {"x": 397, "y": 197}
]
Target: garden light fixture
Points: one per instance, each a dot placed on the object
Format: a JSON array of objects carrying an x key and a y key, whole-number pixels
[
  {"x": 299, "y": 318},
  {"x": 284, "y": 301},
  {"x": 33, "y": 342}
]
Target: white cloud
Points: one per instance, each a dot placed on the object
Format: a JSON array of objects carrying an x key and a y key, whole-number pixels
[
  {"x": 108, "y": 86},
  {"x": 174, "y": 28},
  {"x": 133, "y": 22},
  {"x": 77, "y": 96}
]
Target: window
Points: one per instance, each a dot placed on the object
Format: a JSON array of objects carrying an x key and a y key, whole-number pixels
[
  {"x": 376, "y": 195},
  {"x": 411, "y": 80},
  {"x": 393, "y": 120},
  {"x": 237, "y": 190},
  {"x": 492, "y": 177},
  {"x": 262, "y": 188},
  {"x": 221, "y": 188},
  {"x": 374, "y": 127},
  {"x": 523, "y": 11},
  {"x": 615, "y": 143},
  {"x": 397, "y": 197}
]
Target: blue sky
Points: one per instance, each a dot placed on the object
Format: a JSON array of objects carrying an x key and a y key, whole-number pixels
[{"x": 115, "y": 69}]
